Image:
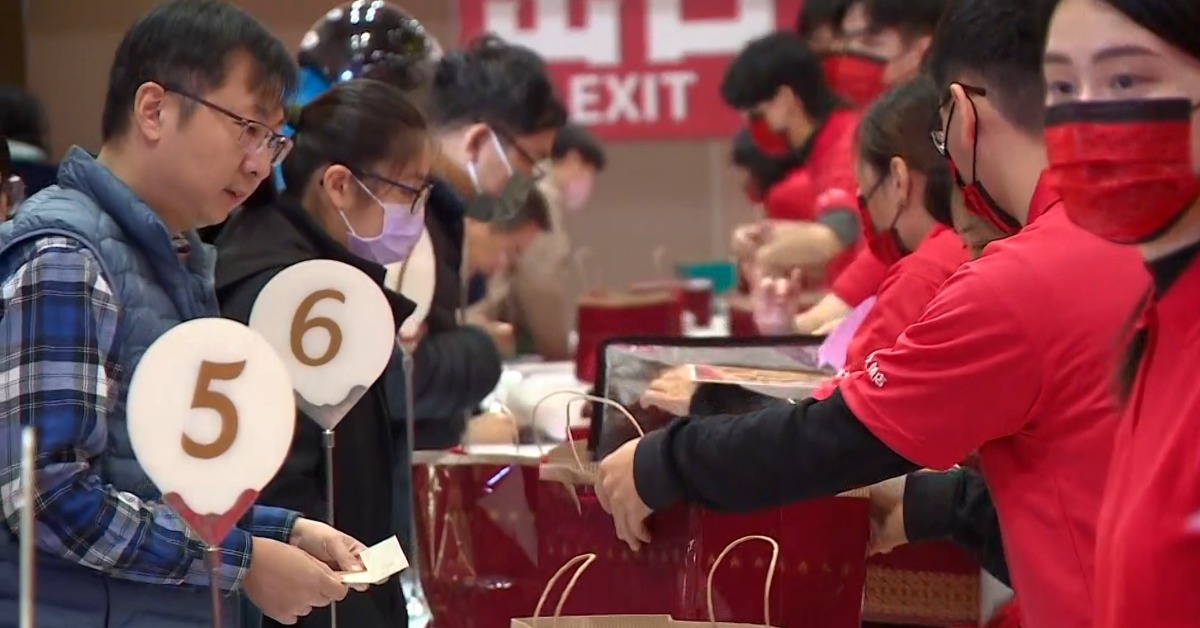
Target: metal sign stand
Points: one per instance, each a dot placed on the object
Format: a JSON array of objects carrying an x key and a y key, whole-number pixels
[
  {"x": 416, "y": 595},
  {"x": 328, "y": 440},
  {"x": 28, "y": 538},
  {"x": 212, "y": 559}
]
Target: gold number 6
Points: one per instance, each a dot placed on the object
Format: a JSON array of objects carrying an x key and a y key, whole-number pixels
[
  {"x": 206, "y": 398},
  {"x": 302, "y": 324}
]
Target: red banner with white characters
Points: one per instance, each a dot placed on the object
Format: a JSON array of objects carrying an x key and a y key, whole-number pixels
[{"x": 636, "y": 69}]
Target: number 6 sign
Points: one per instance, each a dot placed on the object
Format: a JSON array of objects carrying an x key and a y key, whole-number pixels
[
  {"x": 211, "y": 415},
  {"x": 333, "y": 328}
]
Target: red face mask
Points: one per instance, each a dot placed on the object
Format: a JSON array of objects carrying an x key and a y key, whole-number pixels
[
  {"x": 1123, "y": 168},
  {"x": 856, "y": 76},
  {"x": 770, "y": 142},
  {"x": 975, "y": 196},
  {"x": 885, "y": 245}
]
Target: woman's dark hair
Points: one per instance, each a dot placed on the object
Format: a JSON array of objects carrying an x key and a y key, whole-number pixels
[
  {"x": 356, "y": 124},
  {"x": 776, "y": 60},
  {"x": 765, "y": 171},
  {"x": 22, "y": 117},
  {"x": 1176, "y": 22},
  {"x": 898, "y": 125}
]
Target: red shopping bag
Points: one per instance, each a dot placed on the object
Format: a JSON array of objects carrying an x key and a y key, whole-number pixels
[
  {"x": 820, "y": 576},
  {"x": 604, "y": 315},
  {"x": 644, "y": 620},
  {"x": 926, "y": 584},
  {"x": 477, "y": 533}
]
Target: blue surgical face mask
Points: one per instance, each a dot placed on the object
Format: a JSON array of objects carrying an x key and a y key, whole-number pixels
[{"x": 403, "y": 225}]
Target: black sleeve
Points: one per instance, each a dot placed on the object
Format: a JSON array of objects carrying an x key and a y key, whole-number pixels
[
  {"x": 712, "y": 399},
  {"x": 956, "y": 505},
  {"x": 780, "y": 454},
  {"x": 452, "y": 372}
]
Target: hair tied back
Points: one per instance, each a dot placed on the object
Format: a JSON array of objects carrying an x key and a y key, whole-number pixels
[{"x": 295, "y": 113}]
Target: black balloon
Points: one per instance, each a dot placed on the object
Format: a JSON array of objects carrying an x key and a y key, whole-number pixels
[{"x": 367, "y": 39}]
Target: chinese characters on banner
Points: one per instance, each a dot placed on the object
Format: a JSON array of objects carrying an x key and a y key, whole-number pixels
[{"x": 636, "y": 69}]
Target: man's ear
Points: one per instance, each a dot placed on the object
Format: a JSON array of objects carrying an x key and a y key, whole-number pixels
[
  {"x": 149, "y": 105},
  {"x": 789, "y": 101},
  {"x": 474, "y": 138},
  {"x": 964, "y": 110}
]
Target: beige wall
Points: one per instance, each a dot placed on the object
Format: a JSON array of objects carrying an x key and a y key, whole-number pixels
[{"x": 676, "y": 194}]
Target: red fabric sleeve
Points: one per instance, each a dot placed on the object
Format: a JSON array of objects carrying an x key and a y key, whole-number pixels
[
  {"x": 860, "y": 279},
  {"x": 964, "y": 374},
  {"x": 791, "y": 198},
  {"x": 832, "y": 165},
  {"x": 899, "y": 303}
]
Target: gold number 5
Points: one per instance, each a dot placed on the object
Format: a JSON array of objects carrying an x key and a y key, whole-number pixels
[
  {"x": 206, "y": 398},
  {"x": 302, "y": 324}
]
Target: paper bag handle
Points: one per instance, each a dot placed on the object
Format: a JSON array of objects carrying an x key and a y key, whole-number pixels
[
  {"x": 585, "y": 397},
  {"x": 660, "y": 259},
  {"x": 712, "y": 614},
  {"x": 588, "y": 280},
  {"x": 512, "y": 417},
  {"x": 583, "y": 561}
]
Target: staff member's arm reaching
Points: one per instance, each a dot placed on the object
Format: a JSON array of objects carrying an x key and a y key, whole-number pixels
[{"x": 867, "y": 432}]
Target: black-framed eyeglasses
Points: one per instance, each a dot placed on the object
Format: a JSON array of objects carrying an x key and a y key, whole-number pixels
[
  {"x": 255, "y": 137},
  {"x": 420, "y": 194},
  {"x": 534, "y": 169},
  {"x": 939, "y": 135}
]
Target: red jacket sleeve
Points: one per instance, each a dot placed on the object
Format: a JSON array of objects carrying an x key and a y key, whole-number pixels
[
  {"x": 832, "y": 165},
  {"x": 792, "y": 198},
  {"x": 861, "y": 279},
  {"x": 901, "y": 299}
]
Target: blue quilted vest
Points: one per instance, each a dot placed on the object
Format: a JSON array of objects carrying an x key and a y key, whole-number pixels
[{"x": 155, "y": 292}]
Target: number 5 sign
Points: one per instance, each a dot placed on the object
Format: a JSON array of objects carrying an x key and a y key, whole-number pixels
[
  {"x": 333, "y": 328},
  {"x": 211, "y": 415}
]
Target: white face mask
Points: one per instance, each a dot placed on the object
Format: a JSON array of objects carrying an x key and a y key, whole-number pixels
[
  {"x": 473, "y": 167},
  {"x": 576, "y": 193},
  {"x": 488, "y": 207}
]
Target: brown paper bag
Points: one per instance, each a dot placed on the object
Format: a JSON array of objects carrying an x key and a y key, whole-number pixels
[{"x": 582, "y": 562}]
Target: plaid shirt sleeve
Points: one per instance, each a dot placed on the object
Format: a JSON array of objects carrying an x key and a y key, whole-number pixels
[{"x": 59, "y": 369}]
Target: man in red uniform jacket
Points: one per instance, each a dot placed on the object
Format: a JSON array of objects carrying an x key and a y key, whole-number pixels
[
  {"x": 777, "y": 82},
  {"x": 1013, "y": 358},
  {"x": 886, "y": 38}
]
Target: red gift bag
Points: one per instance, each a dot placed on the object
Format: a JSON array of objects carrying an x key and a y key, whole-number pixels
[
  {"x": 477, "y": 534},
  {"x": 696, "y": 295},
  {"x": 820, "y": 577},
  {"x": 926, "y": 584},
  {"x": 605, "y": 315}
]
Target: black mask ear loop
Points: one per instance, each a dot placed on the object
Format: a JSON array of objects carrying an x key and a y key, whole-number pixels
[{"x": 1002, "y": 219}]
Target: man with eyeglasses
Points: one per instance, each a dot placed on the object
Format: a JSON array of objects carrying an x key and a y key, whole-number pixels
[
  {"x": 495, "y": 115},
  {"x": 92, "y": 272},
  {"x": 1012, "y": 358}
]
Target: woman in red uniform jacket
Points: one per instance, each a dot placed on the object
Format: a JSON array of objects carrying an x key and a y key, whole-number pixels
[
  {"x": 1124, "y": 149},
  {"x": 903, "y": 183}
]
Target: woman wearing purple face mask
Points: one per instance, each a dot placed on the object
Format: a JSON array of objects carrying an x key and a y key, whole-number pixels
[{"x": 356, "y": 185}]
